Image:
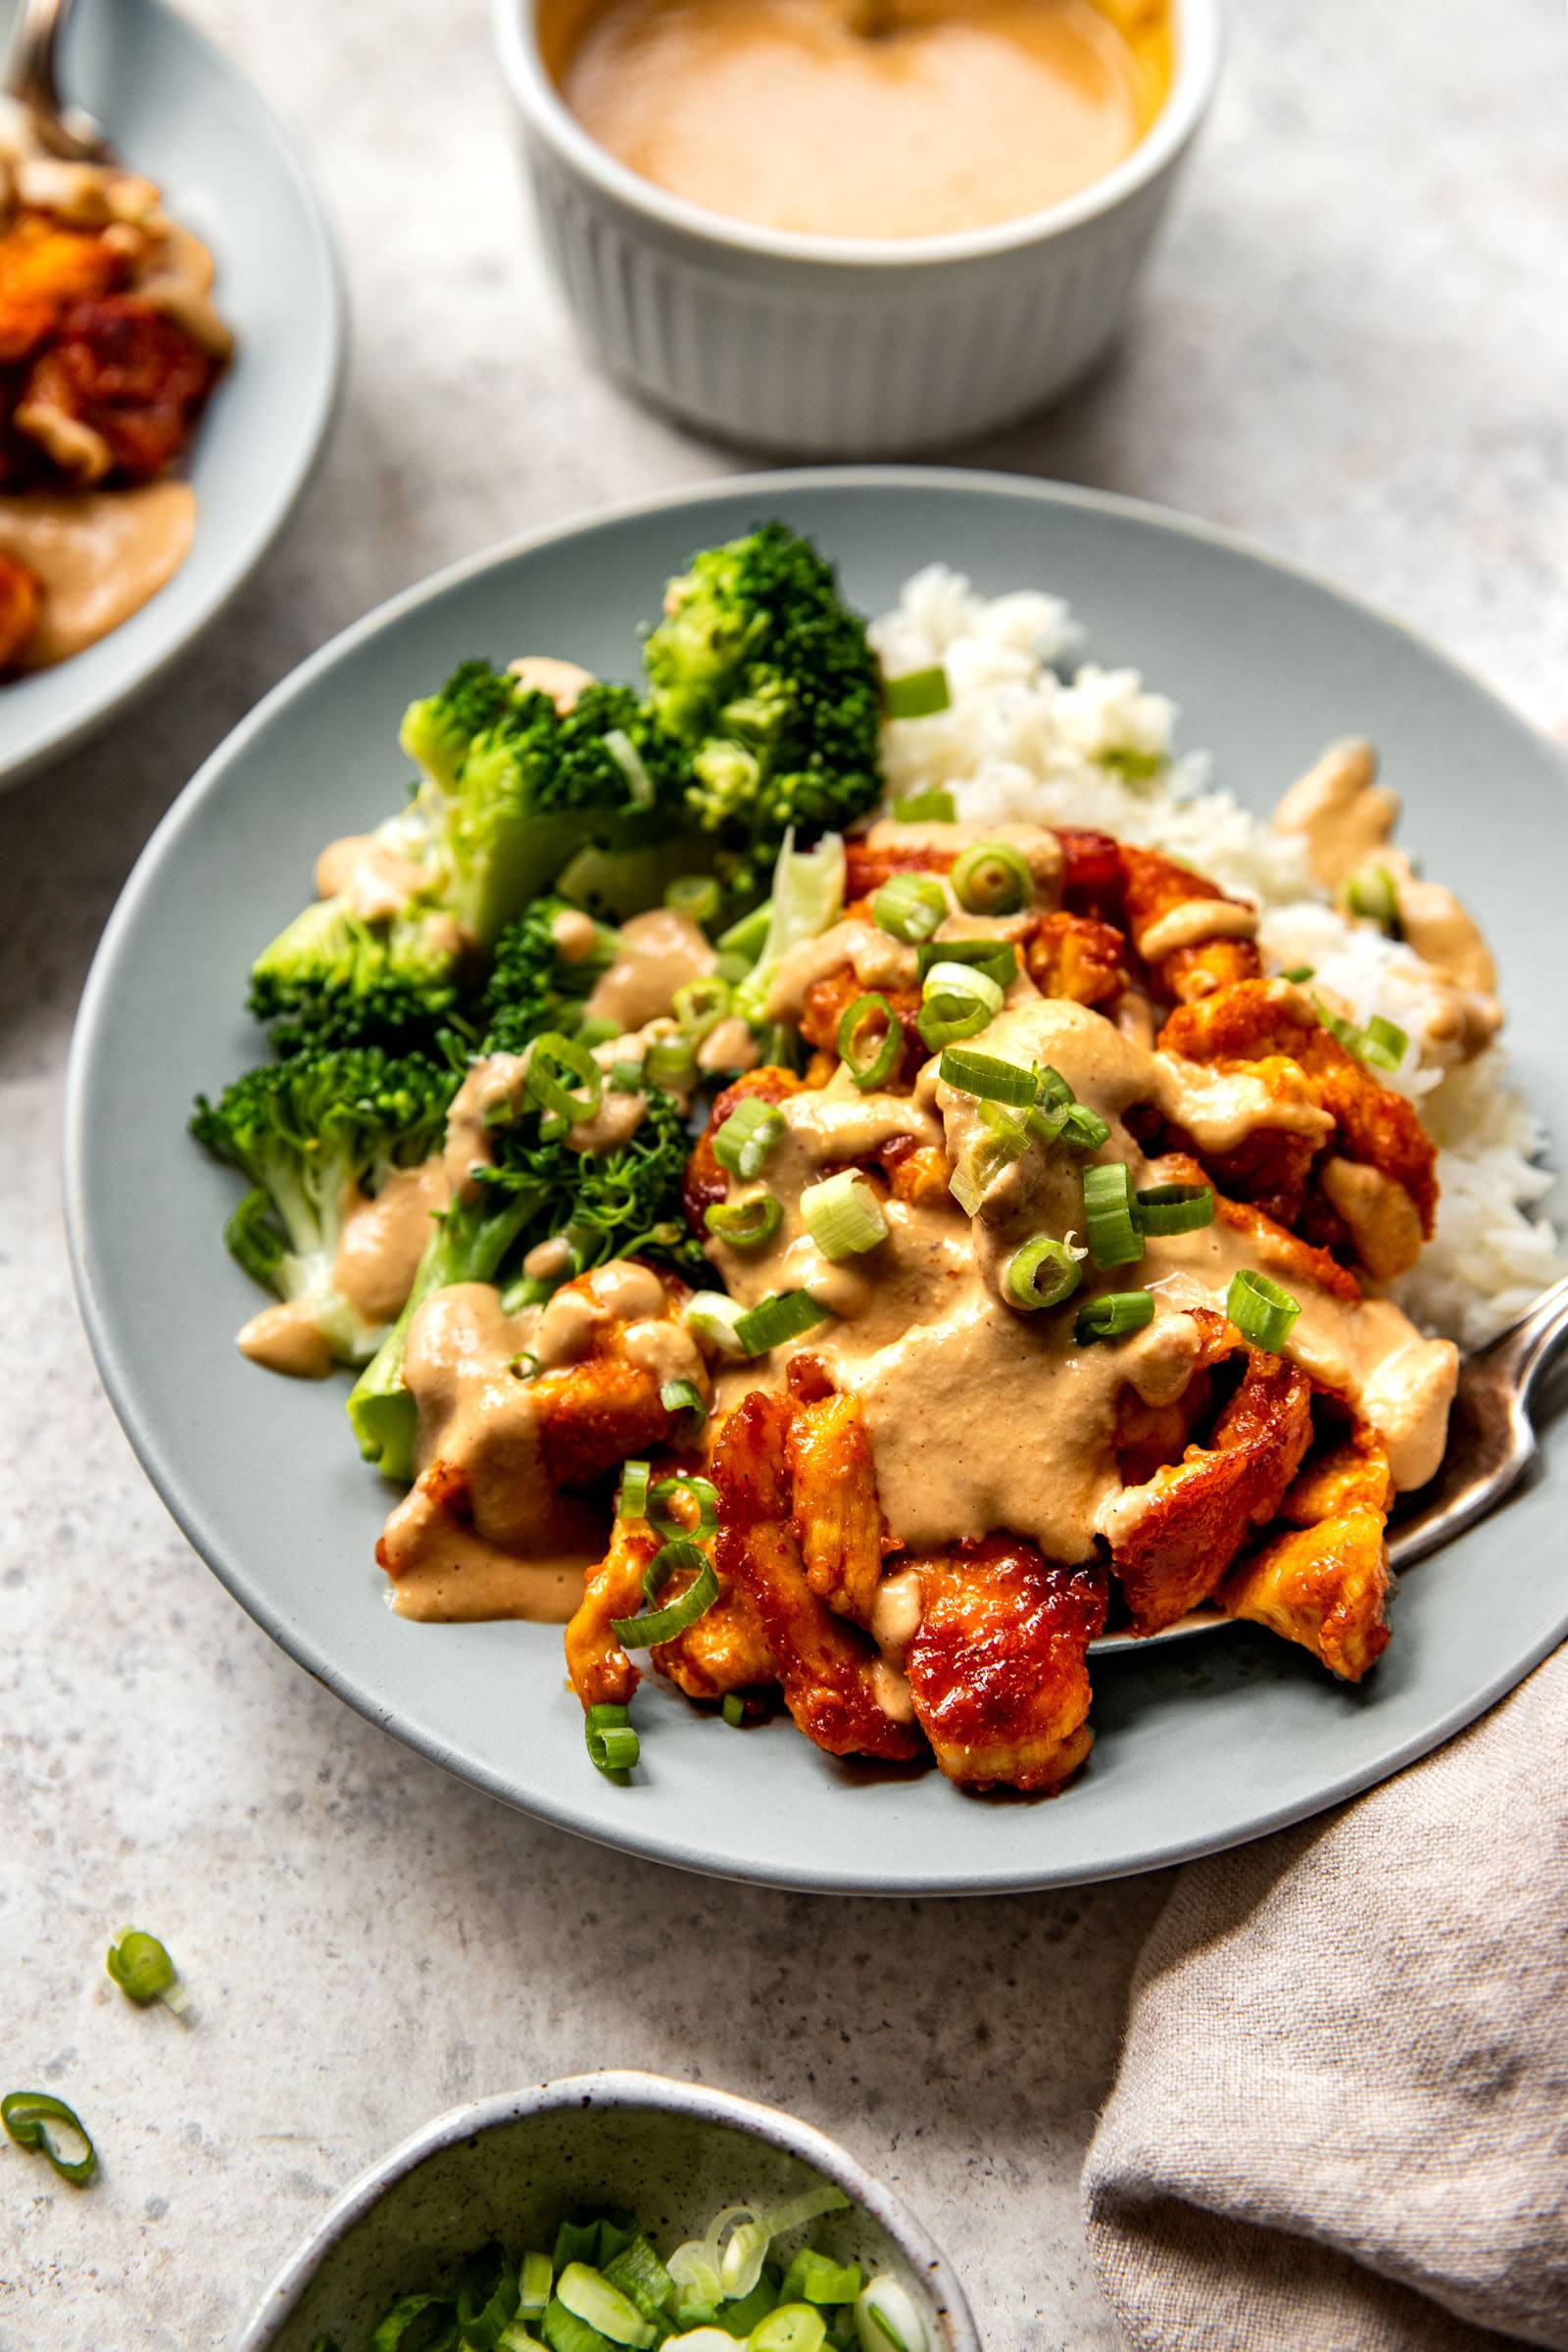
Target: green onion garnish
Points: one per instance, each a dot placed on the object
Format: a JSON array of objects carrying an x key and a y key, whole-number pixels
[
  {"x": 911, "y": 906},
  {"x": 596, "y": 1031},
  {"x": 685, "y": 1396},
  {"x": 631, "y": 1502},
  {"x": 993, "y": 878},
  {"x": 748, "y": 1224},
  {"x": 1175, "y": 1207},
  {"x": 613, "y": 1746},
  {"x": 748, "y": 935},
  {"x": 843, "y": 1215},
  {"x": 874, "y": 1068},
  {"x": 705, "y": 1501},
  {"x": 142, "y": 1968},
  {"x": 1381, "y": 1043},
  {"x": 918, "y": 694},
  {"x": 655, "y": 1626},
  {"x": 959, "y": 1001},
  {"x": 732, "y": 969},
  {"x": 1113, "y": 1236},
  {"x": 487, "y": 2298},
  {"x": 813, "y": 2277},
  {"x": 671, "y": 1065},
  {"x": 734, "y": 1709},
  {"x": 1299, "y": 972},
  {"x": 28, "y": 2115},
  {"x": 535, "y": 2275},
  {"x": 1371, "y": 892},
  {"x": 1083, "y": 1129},
  {"x": 640, "y": 2274},
  {"x": 931, "y": 807},
  {"x": 696, "y": 895},
  {"x": 700, "y": 1005},
  {"x": 1260, "y": 1310},
  {"x": 742, "y": 1145},
  {"x": 996, "y": 957},
  {"x": 1042, "y": 1273},
  {"x": 783, "y": 1315},
  {"x": 886, "y": 2319},
  {"x": 711, "y": 1317},
  {"x": 987, "y": 1076},
  {"x": 1002, "y": 1140},
  {"x": 1112, "y": 1315},
  {"x": 625, "y": 1077},
  {"x": 788, "y": 2327},
  {"x": 553, "y": 1055},
  {"x": 589, "y": 2296}
]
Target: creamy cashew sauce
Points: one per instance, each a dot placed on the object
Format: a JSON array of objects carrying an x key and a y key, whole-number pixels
[
  {"x": 99, "y": 556},
  {"x": 377, "y": 1256},
  {"x": 865, "y": 118},
  {"x": 981, "y": 1417},
  {"x": 375, "y": 878},
  {"x": 658, "y": 953}
]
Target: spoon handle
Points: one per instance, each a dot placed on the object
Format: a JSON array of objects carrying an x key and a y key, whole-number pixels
[
  {"x": 29, "y": 78},
  {"x": 1529, "y": 1346}
]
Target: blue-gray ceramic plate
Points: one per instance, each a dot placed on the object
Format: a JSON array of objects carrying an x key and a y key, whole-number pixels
[
  {"x": 1198, "y": 1746},
  {"x": 179, "y": 111}
]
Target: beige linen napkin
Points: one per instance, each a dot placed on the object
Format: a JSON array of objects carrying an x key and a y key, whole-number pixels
[{"x": 1341, "y": 2123}]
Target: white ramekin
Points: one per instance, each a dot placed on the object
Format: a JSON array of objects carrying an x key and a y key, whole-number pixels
[{"x": 842, "y": 347}]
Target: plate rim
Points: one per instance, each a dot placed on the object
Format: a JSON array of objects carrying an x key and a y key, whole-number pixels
[
  {"x": 318, "y": 416},
  {"x": 676, "y": 1849}
]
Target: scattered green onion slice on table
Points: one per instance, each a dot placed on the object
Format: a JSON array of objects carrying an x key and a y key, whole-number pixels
[
  {"x": 842, "y": 1214},
  {"x": 144, "y": 1972},
  {"x": 655, "y": 1625},
  {"x": 632, "y": 1501},
  {"x": 551, "y": 1060},
  {"x": 871, "y": 1069},
  {"x": 910, "y": 906},
  {"x": 997, "y": 958},
  {"x": 987, "y": 1076},
  {"x": 1260, "y": 1310},
  {"x": 703, "y": 1497},
  {"x": 1114, "y": 1239},
  {"x": 1371, "y": 892},
  {"x": 685, "y": 1396},
  {"x": 613, "y": 1744},
  {"x": 742, "y": 1145},
  {"x": 700, "y": 1005},
  {"x": 918, "y": 694},
  {"x": 670, "y": 1063},
  {"x": 931, "y": 807},
  {"x": 782, "y": 1315},
  {"x": 1112, "y": 1315},
  {"x": 696, "y": 895},
  {"x": 1042, "y": 1273},
  {"x": 992, "y": 877},
  {"x": 1175, "y": 1207},
  {"x": 958, "y": 1000},
  {"x": 748, "y": 1224},
  {"x": 734, "y": 1709},
  {"x": 27, "y": 2116}
]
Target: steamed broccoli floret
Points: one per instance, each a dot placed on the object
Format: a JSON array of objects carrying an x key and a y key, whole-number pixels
[
  {"x": 607, "y": 1203},
  {"x": 314, "y": 1135},
  {"x": 763, "y": 670},
  {"x": 438, "y": 729},
  {"x": 332, "y": 979},
  {"x": 533, "y": 986}
]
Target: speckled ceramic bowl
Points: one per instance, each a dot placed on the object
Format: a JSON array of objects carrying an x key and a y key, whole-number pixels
[
  {"x": 839, "y": 346},
  {"x": 508, "y": 2167}
]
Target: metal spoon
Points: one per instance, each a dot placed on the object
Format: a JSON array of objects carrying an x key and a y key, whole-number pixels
[
  {"x": 30, "y": 78},
  {"x": 1492, "y": 1441}
]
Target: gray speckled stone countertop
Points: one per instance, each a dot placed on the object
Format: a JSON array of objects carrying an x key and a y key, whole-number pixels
[{"x": 1354, "y": 346}]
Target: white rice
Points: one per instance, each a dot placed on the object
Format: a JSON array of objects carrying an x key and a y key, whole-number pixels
[{"x": 1019, "y": 741}]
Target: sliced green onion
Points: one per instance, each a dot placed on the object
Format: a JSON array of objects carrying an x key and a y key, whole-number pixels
[
  {"x": 671, "y": 1065},
  {"x": 654, "y": 1626},
  {"x": 748, "y": 1224},
  {"x": 1113, "y": 1236},
  {"x": 918, "y": 694},
  {"x": 1163, "y": 1208},
  {"x": 626, "y": 1077},
  {"x": 987, "y": 1076},
  {"x": 589, "y": 2296},
  {"x": 873, "y": 1069},
  {"x": 417, "y": 2323},
  {"x": 843, "y": 1215},
  {"x": 596, "y": 1031},
  {"x": 782, "y": 1315},
  {"x": 613, "y": 1746},
  {"x": 685, "y": 1396},
  {"x": 550, "y": 1057},
  {"x": 993, "y": 878},
  {"x": 487, "y": 2298},
  {"x": 576, "y": 2241},
  {"x": 704, "y": 1495},
  {"x": 788, "y": 2327},
  {"x": 886, "y": 2318},
  {"x": 711, "y": 1317},
  {"x": 700, "y": 1005},
  {"x": 1055, "y": 1091},
  {"x": 959, "y": 1001},
  {"x": 142, "y": 1968},
  {"x": 1112, "y": 1315},
  {"x": 932, "y": 807},
  {"x": 748, "y": 935},
  {"x": 27, "y": 2116},
  {"x": 813, "y": 2277},
  {"x": 632, "y": 1501},
  {"x": 911, "y": 906},
  {"x": 640, "y": 2274},
  {"x": 1083, "y": 1129},
  {"x": 1299, "y": 972},
  {"x": 680, "y": 1554},
  {"x": 1042, "y": 1273},
  {"x": 699, "y": 2288},
  {"x": 696, "y": 895},
  {"x": 1371, "y": 892},
  {"x": 534, "y": 2277},
  {"x": 998, "y": 957},
  {"x": 732, "y": 969},
  {"x": 1260, "y": 1310},
  {"x": 734, "y": 1709},
  {"x": 742, "y": 1145},
  {"x": 630, "y": 760},
  {"x": 1381, "y": 1043},
  {"x": 1002, "y": 1140}
]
